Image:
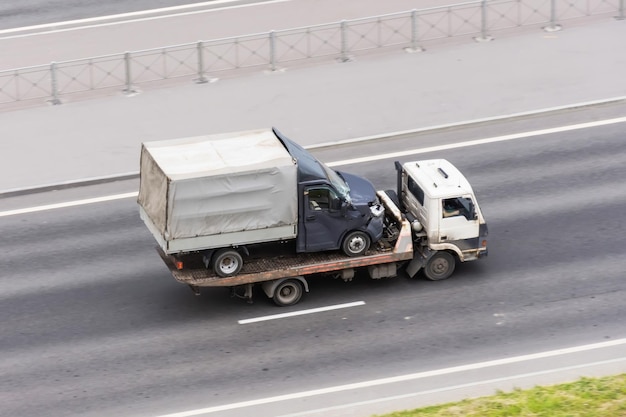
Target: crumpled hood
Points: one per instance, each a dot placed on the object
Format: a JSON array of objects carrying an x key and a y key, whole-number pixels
[{"x": 362, "y": 192}]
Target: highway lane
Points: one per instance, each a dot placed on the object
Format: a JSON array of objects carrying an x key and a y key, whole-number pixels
[
  {"x": 38, "y": 12},
  {"x": 94, "y": 325},
  {"x": 52, "y": 12}
]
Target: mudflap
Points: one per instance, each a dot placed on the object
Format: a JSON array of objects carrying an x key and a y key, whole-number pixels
[
  {"x": 420, "y": 257},
  {"x": 414, "y": 266}
]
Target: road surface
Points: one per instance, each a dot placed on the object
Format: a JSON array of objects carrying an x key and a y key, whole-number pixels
[{"x": 95, "y": 325}]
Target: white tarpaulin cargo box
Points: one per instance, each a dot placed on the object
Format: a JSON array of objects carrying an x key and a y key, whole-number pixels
[{"x": 218, "y": 190}]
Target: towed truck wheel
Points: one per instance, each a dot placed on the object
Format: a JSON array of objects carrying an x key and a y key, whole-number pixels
[
  {"x": 356, "y": 243},
  {"x": 288, "y": 293},
  {"x": 440, "y": 266},
  {"x": 227, "y": 263}
]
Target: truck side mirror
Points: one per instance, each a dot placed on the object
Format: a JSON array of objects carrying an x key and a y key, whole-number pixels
[
  {"x": 337, "y": 204},
  {"x": 472, "y": 210},
  {"x": 345, "y": 206},
  {"x": 469, "y": 209}
]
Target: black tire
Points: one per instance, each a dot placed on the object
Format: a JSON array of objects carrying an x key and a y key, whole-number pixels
[
  {"x": 288, "y": 293},
  {"x": 440, "y": 266},
  {"x": 227, "y": 262},
  {"x": 356, "y": 243}
]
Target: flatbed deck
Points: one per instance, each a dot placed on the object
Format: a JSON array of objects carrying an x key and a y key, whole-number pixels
[{"x": 290, "y": 264}]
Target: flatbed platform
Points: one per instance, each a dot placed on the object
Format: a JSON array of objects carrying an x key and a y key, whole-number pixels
[{"x": 272, "y": 265}]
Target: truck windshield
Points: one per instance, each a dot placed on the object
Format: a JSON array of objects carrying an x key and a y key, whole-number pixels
[
  {"x": 340, "y": 185},
  {"x": 310, "y": 168}
]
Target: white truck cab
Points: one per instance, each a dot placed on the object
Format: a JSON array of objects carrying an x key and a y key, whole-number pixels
[{"x": 447, "y": 221}]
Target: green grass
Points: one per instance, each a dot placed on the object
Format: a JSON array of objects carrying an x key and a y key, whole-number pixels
[{"x": 587, "y": 397}]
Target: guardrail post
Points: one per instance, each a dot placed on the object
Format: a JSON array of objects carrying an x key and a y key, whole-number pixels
[
  {"x": 344, "y": 41},
  {"x": 554, "y": 26},
  {"x": 200, "y": 49},
  {"x": 129, "y": 78},
  {"x": 484, "y": 36},
  {"x": 621, "y": 11},
  {"x": 54, "y": 88},
  {"x": 272, "y": 35},
  {"x": 415, "y": 46}
]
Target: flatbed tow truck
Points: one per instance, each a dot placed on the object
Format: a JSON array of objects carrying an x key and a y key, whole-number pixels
[
  {"x": 436, "y": 227},
  {"x": 211, "y": 202}
]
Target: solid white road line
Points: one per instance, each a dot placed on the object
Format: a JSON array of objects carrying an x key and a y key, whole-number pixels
[
  {"x": 372, "y": 158},
  {"x": 402, "y": 378},
  {"x": 68, "y": 204},
  {"x": 301, "y": 312},
  {"x": 123, "y": 18},
  {"x": 494, "y": 139},
  {"x": 323, "y": 411}
]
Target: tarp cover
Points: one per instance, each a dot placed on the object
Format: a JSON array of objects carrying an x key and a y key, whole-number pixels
[{"x": 218, "y": 184}]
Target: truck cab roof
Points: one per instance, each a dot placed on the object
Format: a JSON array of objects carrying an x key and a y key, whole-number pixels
[{"x": 438, "y": 178}]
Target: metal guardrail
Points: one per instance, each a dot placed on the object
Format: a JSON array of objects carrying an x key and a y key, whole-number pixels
[{"x": 200, "y": 60}]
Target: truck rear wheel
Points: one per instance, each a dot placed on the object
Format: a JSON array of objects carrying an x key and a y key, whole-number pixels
[
  {"x": 227, "y": 262},
  {"x": 440, "y": 266},
  {"x": 288, "y": 293},
  {"x": 356, "y": 243}
]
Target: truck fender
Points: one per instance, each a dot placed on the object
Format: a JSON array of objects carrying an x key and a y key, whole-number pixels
[
  {"x": 269, "y": 287},
  {"x": 437, "y": 247}
]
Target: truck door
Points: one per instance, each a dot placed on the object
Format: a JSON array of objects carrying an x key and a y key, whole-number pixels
[
  {"x": 323, "y": 219},
  {"x": 458, "y": 222}
]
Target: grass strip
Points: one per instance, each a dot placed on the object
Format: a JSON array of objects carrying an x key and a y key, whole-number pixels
[{"x": 587, "y": 397}]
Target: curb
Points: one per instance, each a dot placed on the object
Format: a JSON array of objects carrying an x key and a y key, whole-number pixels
[
  {"x": 14, "y": 192},
  {"x": 135, "y": 174},
  {"x": 511, "y": 116}
]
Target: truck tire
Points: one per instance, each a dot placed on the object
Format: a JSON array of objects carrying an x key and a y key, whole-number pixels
[
  {"x": 227, "y": 262},
  {"x": 356, "y": 243},
  {"x": 440, "y": 266},
  {"x": 288, "y": 293}
]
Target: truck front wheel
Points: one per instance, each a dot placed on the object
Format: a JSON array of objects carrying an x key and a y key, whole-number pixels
[
  {"x": 288, "y": 293},
  {"x": 227, "y": 262},
  {"x": 356, "y": 243},
  {"x": 440, "y": 266}
]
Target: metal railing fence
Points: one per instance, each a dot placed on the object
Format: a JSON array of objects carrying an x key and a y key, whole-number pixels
[{"x": 200, "y": 60}]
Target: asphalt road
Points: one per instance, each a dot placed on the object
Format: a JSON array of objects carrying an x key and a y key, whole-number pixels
[
  {"x": 39, "y": 12},
  {"x": 93, "y": 324},
  {"x": 26, "y": 13}
]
